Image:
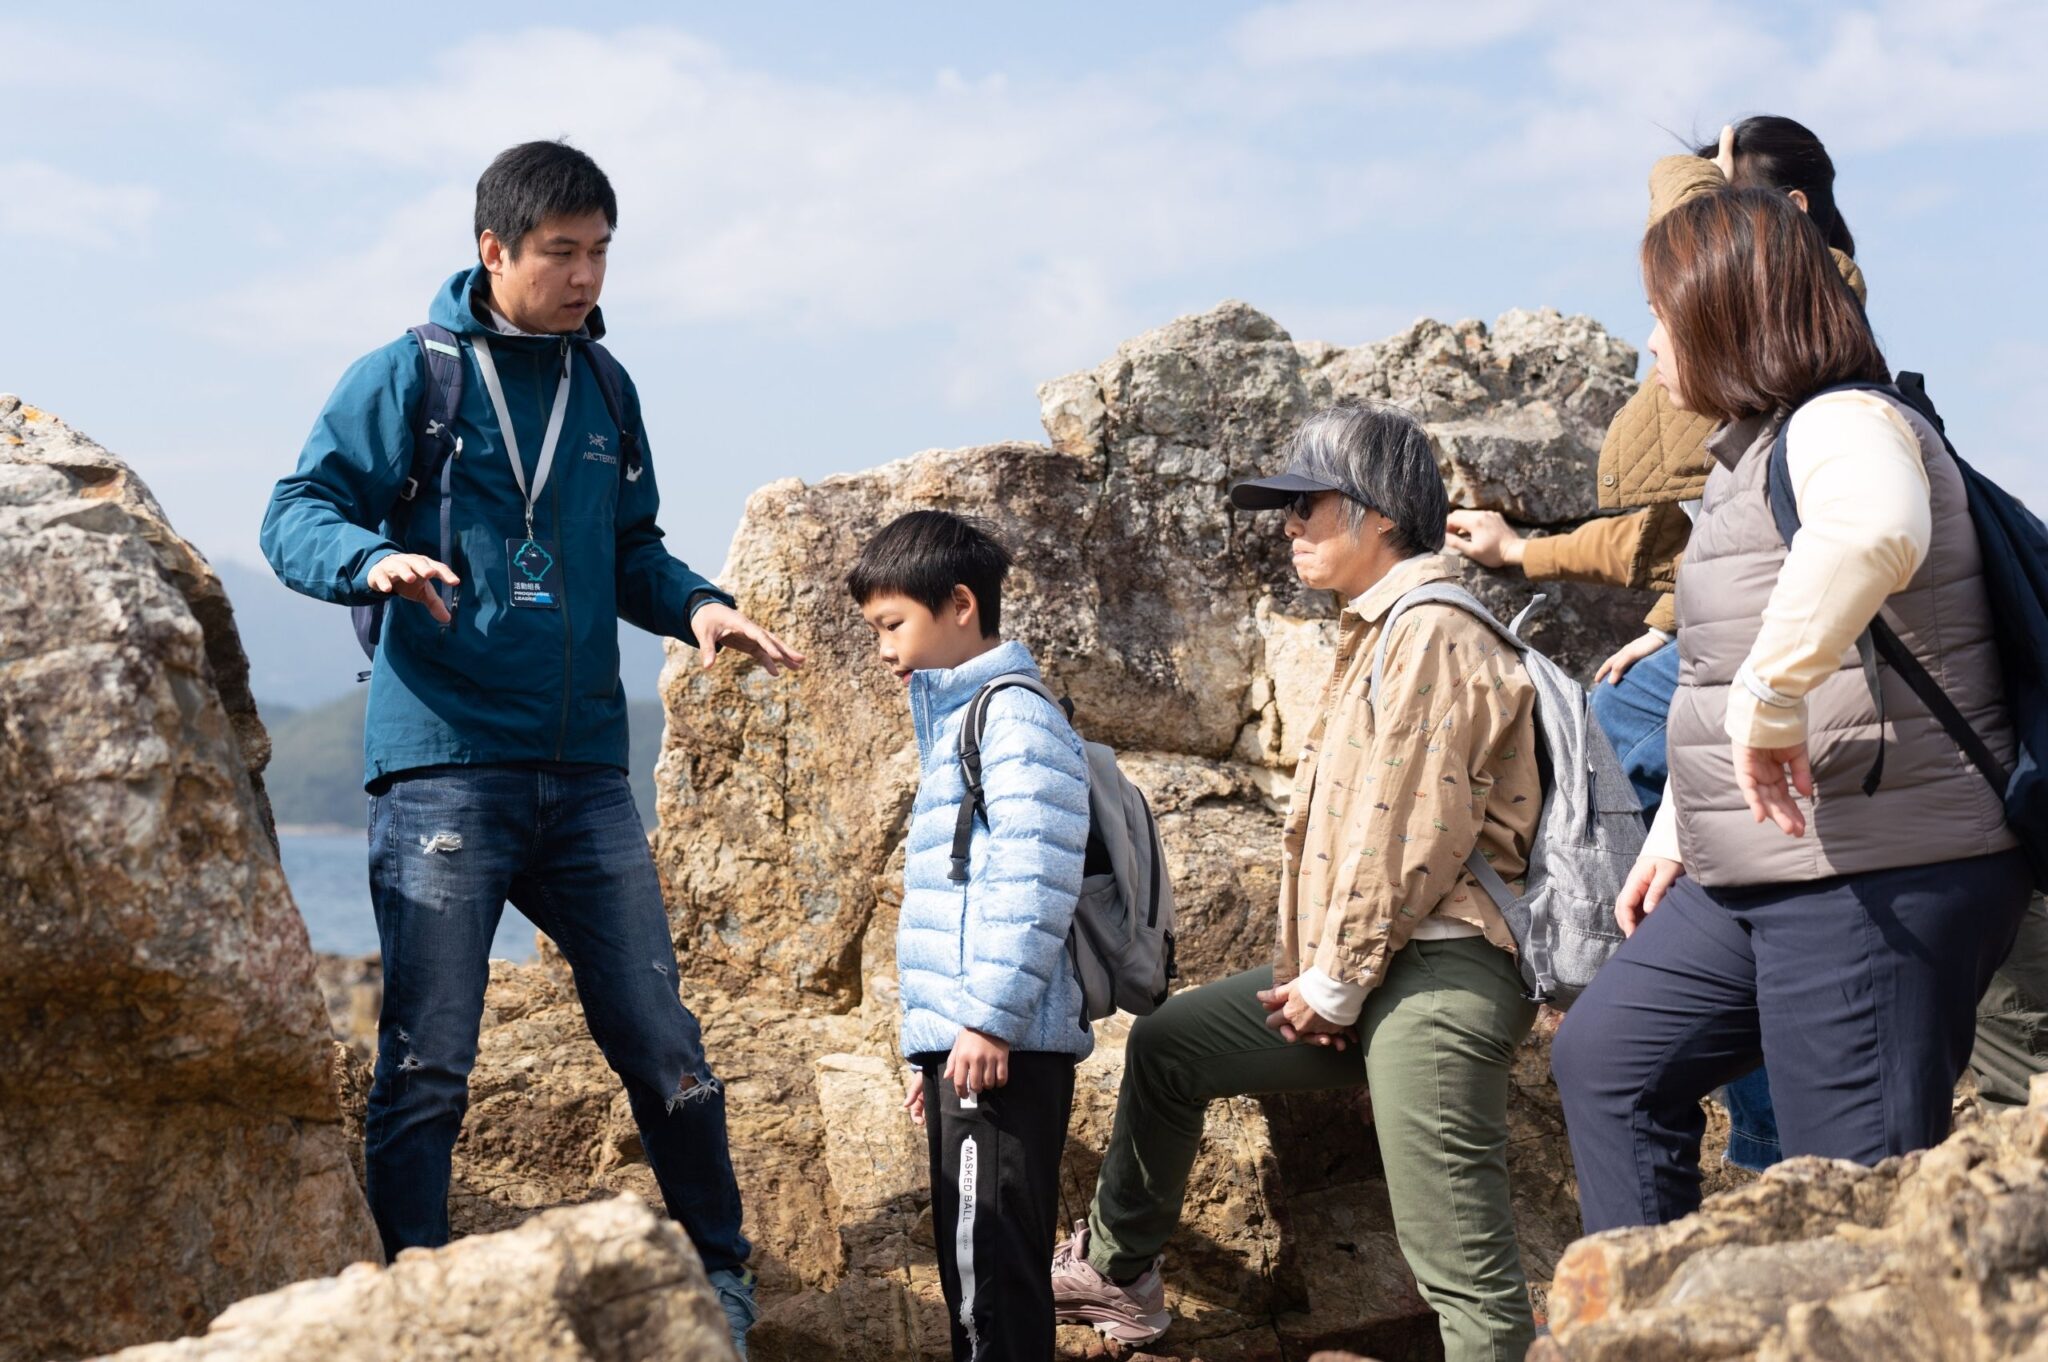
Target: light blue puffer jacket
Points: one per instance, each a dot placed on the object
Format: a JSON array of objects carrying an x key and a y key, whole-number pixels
[{"x": 992, "y": 954}]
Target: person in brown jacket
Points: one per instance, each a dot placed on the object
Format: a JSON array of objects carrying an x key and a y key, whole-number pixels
[
  {"x": 1829, "y": 883},
  {"x": 1392, "y": 966},
  {"x": 1654, "y": 458}
]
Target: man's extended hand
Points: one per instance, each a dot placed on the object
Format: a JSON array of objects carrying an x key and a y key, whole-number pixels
[
  {"x": 717, "y": 625},
  {"x": 412, "y": 575},
  {"x": 1295, "y": 1020}
]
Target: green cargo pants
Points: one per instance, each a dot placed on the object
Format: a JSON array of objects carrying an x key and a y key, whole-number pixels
[
  {"x": 2012, "y": 1018},
  {"x": 1438, "y": 1039}
]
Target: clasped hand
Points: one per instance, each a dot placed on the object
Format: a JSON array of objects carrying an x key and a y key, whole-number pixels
[{"x": 1289, "y": 1014}]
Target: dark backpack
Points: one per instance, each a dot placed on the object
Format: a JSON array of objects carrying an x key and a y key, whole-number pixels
[
  {"x": 1121, "y": 942},
  {"x": 2014, "y": 545},
  {"x": 436, "y": 447}
]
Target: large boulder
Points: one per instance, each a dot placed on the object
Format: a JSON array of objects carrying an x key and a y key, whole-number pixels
[
  {"x": 170, "y": 1139},
  {"x": 610, "y": 1282},
  {"x": 1174, "y": 624},
  {"x": 1939, "y": 1256}
]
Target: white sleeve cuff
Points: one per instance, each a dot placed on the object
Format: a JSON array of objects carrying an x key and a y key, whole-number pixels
[
  {"x": 1333, "y": 1001},
  {"x": 1663, "y": 838}
]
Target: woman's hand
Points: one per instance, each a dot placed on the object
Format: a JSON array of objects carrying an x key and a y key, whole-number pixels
[
  {"x": 1483, "y": 536},
  {"x": 1296, "y": 1021},
  {"x": 1630, "y": 653},
  {"x": 913, "y": 1099},
  {"x": 1644, "y": 891},
  {"x": 1768, "y": 778},
  {"x": 1725, "y": 156}
]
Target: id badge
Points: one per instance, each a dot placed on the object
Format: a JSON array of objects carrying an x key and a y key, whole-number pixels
[{"x": 536, "y": 574}]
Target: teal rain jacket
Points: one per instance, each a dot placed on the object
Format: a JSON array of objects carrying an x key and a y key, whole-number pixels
[{"x": 498, "y": 684}]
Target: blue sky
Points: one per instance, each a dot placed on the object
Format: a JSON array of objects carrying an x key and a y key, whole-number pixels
[{"x": 852, "y": 232}]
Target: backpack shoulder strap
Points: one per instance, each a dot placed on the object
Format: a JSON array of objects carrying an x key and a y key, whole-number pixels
[
  {"x": 1448, "y": 593},
  {"x": 968, "y": 747},
  {"x": 1880, "y": 640},
  {"x": 1438, "y": 593},
  {"x": 435, "y": 439},
  {"x": 611, "y": 385}
]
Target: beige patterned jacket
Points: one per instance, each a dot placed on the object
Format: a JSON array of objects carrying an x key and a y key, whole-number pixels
[{"x": 1389, "y": 799}]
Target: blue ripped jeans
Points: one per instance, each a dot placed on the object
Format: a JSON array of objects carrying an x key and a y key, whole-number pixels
[{"x": 449, "y": 845}]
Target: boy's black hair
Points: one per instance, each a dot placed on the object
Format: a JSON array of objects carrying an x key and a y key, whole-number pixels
[
  {"x": 534, "y": 181},
  {"x": 924, "y": 555}
]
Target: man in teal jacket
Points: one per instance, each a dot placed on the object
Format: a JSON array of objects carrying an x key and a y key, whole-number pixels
[{"x": 495, "y": 742}]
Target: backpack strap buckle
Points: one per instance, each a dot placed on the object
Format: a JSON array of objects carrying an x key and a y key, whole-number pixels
[{"x": 410, "y": 490}]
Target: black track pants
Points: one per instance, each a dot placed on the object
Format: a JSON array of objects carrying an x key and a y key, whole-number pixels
[{"x": 995, "y": 1203}]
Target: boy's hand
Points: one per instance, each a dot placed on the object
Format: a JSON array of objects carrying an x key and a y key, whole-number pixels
[
  {"x": 913, "y": 1099},
  {"x": 977, "y": 1063},
  {"x": 717, "y": 625}
]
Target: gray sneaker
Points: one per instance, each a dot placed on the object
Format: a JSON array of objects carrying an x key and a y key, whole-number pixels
[
  {"x": 735, "y": 1289},
  {"x": 1080, "y": 1295}
]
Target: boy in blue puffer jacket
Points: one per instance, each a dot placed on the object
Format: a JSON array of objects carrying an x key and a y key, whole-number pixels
[{"x": 992, "y": 1011}]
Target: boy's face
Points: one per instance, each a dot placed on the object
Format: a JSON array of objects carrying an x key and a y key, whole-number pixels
[{"x": 911, "y": 638}]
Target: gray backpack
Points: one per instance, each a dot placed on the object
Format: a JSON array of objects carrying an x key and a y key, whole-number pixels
[
  {"x": 1587, "y": 837},
  {"x": 1121, "y": 943}
]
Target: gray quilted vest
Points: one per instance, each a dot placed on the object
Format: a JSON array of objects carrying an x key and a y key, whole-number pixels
[
  {"x": 1932, "y": 805},
  {"x": 1587, "y": 836}
]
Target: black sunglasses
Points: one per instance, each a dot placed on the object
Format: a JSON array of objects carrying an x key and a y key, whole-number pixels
[{"x": 1304, "y": 504}]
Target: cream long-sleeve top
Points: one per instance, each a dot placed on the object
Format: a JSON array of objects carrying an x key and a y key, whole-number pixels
[{"x": 1866, "y": 522}]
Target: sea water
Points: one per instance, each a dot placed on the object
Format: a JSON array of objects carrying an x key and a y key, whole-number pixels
[{"x": 329, "y": 875}]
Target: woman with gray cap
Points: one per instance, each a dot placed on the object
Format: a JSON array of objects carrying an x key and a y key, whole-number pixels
[{"x": 1392, "y": 966}]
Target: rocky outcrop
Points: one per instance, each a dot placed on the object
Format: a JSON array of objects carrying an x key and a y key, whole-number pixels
[
  {"x": 1174, "y": 624},
  {"x": 610, "y": 1282},
  {"x": 1940, "y": 1256},
  {"x": 169, "y": 1135},
  {"x": 1178, "y": 630}
]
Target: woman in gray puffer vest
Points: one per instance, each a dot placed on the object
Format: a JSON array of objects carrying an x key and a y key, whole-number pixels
[{"x": 1842, "y": 936}]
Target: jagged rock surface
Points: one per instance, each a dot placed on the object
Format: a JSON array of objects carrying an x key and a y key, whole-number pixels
[
  {"x": 610, "y": 1282},
  {"x": 169, "y": 1135},
  {"x": 1174, "y": 624},
  {"x": 1180, "y": 633},
  {"x": 1939, "y": 1256}
]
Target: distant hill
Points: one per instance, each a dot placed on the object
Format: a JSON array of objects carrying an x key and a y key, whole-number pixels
[
  {"x": 302, "y": 652},
  {"x": 316, "y": 763}
]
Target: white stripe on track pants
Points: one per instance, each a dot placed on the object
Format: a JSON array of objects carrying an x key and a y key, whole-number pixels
[{"x": 995, "y": 1203}]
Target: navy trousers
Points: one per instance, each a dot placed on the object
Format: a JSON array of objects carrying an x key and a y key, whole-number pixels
[{"x": 1859, "y": 993}]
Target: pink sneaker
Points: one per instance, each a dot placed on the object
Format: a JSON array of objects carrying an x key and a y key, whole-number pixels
[{"x": 1080, "y": 1295}]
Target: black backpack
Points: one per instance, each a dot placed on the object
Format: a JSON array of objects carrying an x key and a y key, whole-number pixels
[
  {"x": 436, "y": 447},
  {"x": 2014, "y": 544}
]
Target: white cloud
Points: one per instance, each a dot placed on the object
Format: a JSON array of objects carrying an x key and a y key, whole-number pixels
[
  {"x": 1335, "y": 30},
  {"x": 1020, "y": 215},
  {"x": 42, "y": 203}
]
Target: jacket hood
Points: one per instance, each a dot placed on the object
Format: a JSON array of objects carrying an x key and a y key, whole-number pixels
[
  {"x": 936, "y": 693},
  {"x": 460, "y": 306}
]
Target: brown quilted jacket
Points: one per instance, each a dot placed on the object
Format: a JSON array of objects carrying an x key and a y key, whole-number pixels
[{"x": 1653, "y": 457}]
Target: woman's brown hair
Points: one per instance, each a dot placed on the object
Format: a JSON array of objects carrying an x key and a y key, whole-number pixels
[{"x": 1751, "y": 297}]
